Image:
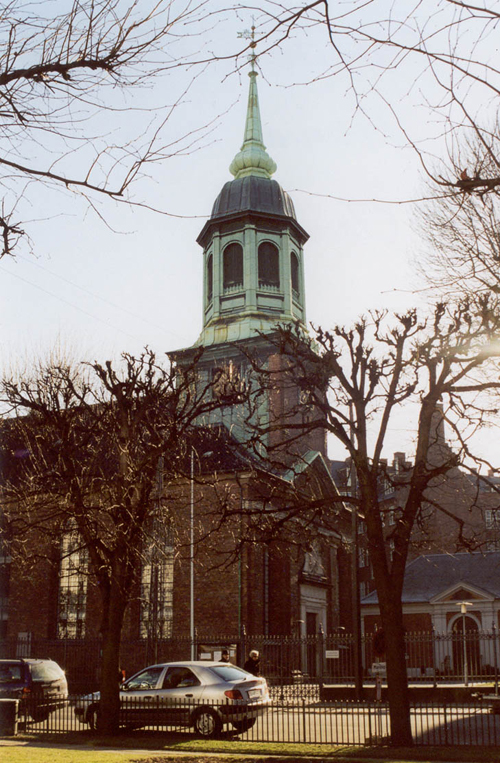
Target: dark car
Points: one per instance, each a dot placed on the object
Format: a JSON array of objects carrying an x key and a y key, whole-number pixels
[{"x": 40, "y": 685}]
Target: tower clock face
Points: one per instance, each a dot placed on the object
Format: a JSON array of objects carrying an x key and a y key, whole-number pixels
[{"x": 227, "y": 383}]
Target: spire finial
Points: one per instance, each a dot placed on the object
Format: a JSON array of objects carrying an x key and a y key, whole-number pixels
[
  {"x": 253, "y": 158},
  {"x": 249, "y": 34}
]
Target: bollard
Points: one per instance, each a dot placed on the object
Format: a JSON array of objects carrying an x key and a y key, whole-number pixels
[{"x": 8, "y": 717}]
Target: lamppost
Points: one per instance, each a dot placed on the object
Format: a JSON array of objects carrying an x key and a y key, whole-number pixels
[
  {"x": 191, "y": 562},
  {"x": 356, "y": 609},
  {"x": 463, "y": 609},
  {"x": 191, "y": 549}
]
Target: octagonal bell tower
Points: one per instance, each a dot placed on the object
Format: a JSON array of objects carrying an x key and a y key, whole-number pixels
[
  {"x": 252, "y": 247},
  {"x": 253, "y": 280}
]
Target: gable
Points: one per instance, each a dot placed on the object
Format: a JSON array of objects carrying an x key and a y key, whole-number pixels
[{"x": 462, "y": 592}]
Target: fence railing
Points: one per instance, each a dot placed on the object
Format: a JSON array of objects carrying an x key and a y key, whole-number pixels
[
  {"x": 304, "y": 663},
  {"x": 336, "y": 723}
]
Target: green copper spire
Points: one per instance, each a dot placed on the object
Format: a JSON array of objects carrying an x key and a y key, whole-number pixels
[{"x": 253, "y": 158}]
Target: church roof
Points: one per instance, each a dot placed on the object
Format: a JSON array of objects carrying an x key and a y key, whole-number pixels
[
  {"x": 428, "y": 576},
  {"x": 253, "y": 193}
]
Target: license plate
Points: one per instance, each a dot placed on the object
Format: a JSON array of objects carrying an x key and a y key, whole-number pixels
[{"x": 254, "y": 693}]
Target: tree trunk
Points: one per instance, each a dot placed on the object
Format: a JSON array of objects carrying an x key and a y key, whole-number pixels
[
  {"x": 109, "y": 707},
  {"x": 397, "y": 680}
]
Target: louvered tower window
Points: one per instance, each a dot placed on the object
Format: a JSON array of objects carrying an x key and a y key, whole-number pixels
[
  {"x": 269, "y": 265},
  {"x": 233, "y": 266}
]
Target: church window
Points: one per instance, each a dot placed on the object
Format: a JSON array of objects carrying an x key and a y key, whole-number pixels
[
  {"x": 210, "y": 278},
  {"x": 5, "y": 567},
  {"x": 233, "y": 266},
  {"x": 73, "y": 578},
  {"x": 294, "y": 267},
  {"x": 363, "y": 557},
  {"x": 269, "y": 265},
  {"x": 157, "y": 585},
  {"x": 492, "y": 519}
]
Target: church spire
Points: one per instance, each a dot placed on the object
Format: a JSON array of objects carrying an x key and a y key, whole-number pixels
[{"x": 253, "y": 158}]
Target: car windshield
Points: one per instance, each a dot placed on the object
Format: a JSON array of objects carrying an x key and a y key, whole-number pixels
[
  {"x": 10, "y": 673},
  {"x": 46, "y": 671},
  {"x": 229, "y": 672}
]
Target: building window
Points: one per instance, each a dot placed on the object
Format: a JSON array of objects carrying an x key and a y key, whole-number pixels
[
  {"x": 5, "y": 567},
  {"x": 210, "y": 278},
  {"x": 269, "y": 265},
  {"x": 294, "y": 268},
  {"x": 492, "y": 519},
  {"x": 73, "y": 579},
  {"x": 233, "y": 267},
  {"x": 157, "y": 586},
  {"x": 363, "y": 557}
]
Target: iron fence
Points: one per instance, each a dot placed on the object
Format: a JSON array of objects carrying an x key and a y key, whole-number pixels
[
  {"x": 294, "y": 667},
  {"x": 335, "y": 723}
]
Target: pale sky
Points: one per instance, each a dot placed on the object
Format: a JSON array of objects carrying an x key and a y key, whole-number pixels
[{"x": 99, "y": 288}]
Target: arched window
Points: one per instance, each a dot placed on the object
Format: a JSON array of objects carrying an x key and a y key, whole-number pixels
[
  {"x": 233, "y": 266},
  {"x": 269, "y": 265},
  {"x": 294, "y": 268},
  {"x": 210, "y": 278},
  {"x": 73, "y": 578}
]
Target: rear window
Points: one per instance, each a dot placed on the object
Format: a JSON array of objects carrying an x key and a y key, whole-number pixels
[
  {"x": 10, "y": 673},
  {"x": 229, "y": 672},
  {"x": 46, "y": 671}
]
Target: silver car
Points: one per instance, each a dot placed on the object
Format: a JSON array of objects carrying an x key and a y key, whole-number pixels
[{"x": 204, "y": 695}]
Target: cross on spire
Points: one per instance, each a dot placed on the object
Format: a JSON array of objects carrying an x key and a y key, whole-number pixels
[{"x": 249, "y": 34}]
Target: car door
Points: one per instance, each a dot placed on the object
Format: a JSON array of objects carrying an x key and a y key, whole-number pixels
[
  {"x": 139, "y": 698},
  {"x": 180, "y": 691}
]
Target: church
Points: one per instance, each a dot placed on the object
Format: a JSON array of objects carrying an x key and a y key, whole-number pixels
[{"x": 201, "y": 592}]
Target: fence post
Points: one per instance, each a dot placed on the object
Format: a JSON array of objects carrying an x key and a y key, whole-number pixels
[
  {"x": 243, "y": 642},
  {"x": 495, "y": 657},
  {"x": 433, "y": 643},
  {"x": 321, "y": 646},
  {"x": 194, "y": 646}
]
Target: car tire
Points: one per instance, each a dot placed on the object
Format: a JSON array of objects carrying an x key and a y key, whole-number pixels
[
  {"x": 207, "y": 723},
  {"x": 92, "y": 716},
  {"x": 245, "y": 725}
]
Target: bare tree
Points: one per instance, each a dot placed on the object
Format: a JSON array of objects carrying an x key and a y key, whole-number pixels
[
  {"x": 83, "y": 455},
  {"x": 64, "y": 65},
  {"x": 439, "y": 58},
  {"x": 355, "y": 382},
  {"x": 461, "y": 231}
]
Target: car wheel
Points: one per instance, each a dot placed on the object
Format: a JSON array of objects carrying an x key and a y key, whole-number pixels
[
  {"x": 92, "y": 715},
  {"x": 245, "y": 725},
  {"x": 207, "y": 723}
]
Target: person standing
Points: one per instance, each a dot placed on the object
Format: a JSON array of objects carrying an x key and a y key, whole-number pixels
[
  {"x": 252, "y": 665},
  {"x": 225, "y": 655}
]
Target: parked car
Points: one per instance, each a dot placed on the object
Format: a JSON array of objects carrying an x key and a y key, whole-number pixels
[
  {"x": 40, "y": 685},
  {"x": 204, "y": 695}
]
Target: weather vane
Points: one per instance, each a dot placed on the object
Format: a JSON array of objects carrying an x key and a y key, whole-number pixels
[{"x": 249, "y": 34}]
